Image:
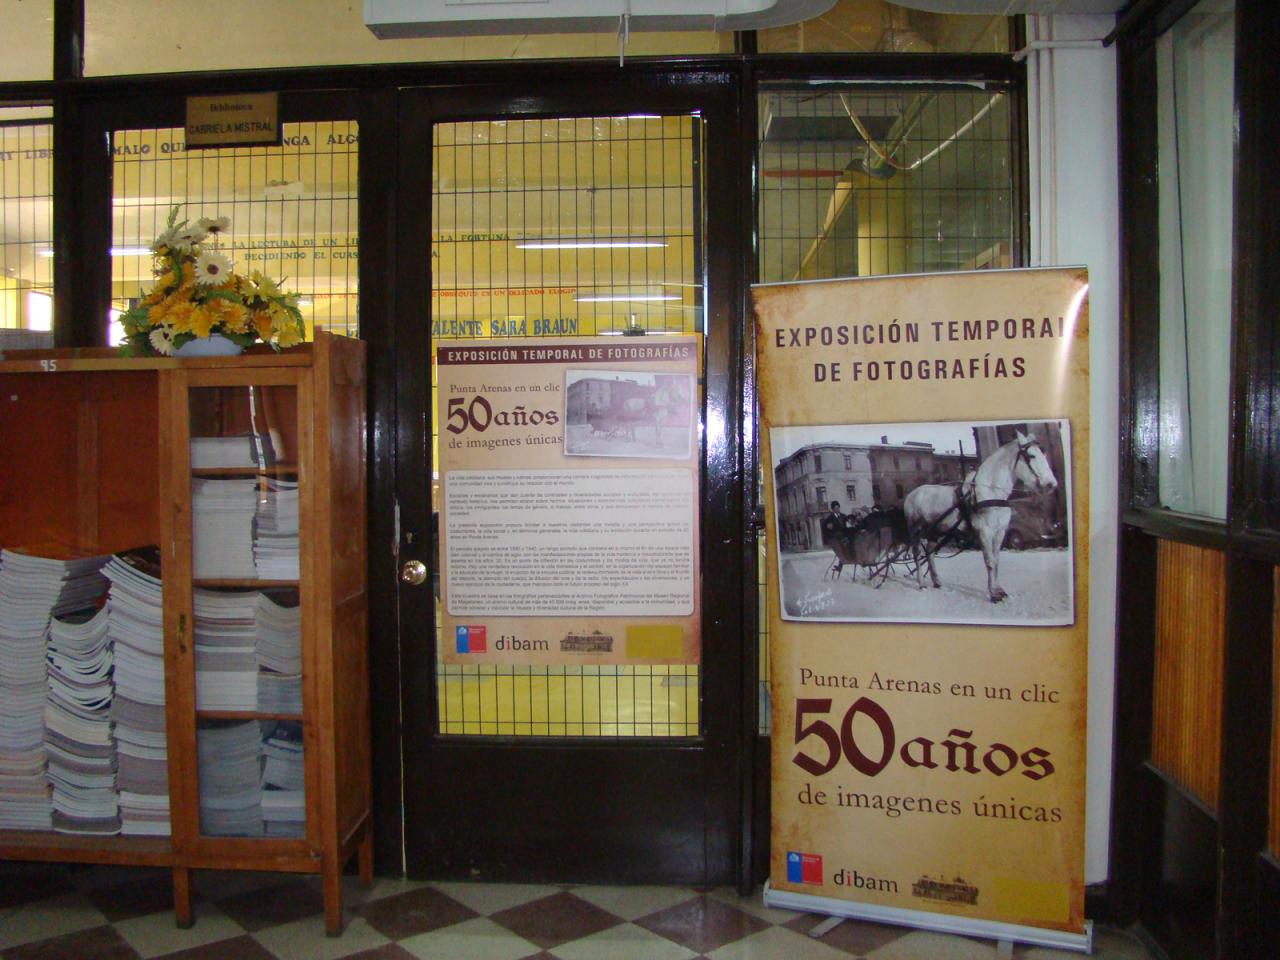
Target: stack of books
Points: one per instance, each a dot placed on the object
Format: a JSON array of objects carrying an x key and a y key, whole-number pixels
[
  {"x": 275, "y": 542},
  {"x": 279, "y": 652},
  {"x": 254, "y": 449},
  {"x": 32, "y": 591},
  {"x": 219, "y": 452},
  {"x": 225, "y": 646},
  {"x": 222, "y": 514},
  {"x": 135, "y": 625},
  {"x": 77, "y": 725},
  {"x": 284, "y": 809},
  {"x": 229, "y": 775}
]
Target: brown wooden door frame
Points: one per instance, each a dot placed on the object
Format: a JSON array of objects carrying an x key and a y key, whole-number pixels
[{"x": 539, "y": 809}]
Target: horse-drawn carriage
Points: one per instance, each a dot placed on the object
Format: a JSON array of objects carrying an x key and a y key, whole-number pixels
[
  {"x": 879, "y": 541},
  {"x": 616, "y": 408},
  {"x": 938, "y": 520}
]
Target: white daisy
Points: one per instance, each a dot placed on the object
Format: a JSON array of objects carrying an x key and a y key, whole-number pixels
[
  {"x": 212, "y": 268},
  {"x": 162, "y": 340},
  {"x": 166, "y": 239},
  {"x": 214, "y": 225}
]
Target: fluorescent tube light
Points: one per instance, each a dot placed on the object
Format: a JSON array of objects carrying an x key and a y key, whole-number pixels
[
  {"x": 588, "y": 244},
  {"x": 626, "y": 298},
  {"x": 115, "y": 252}
]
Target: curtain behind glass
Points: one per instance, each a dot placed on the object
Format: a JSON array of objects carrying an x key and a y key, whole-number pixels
[{"x": 1197, "y": 135}]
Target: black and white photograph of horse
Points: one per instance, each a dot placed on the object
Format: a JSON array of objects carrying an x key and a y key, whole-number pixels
[
  {"x": 615, "y": 413},
  {"x": 936, "y": 522}
]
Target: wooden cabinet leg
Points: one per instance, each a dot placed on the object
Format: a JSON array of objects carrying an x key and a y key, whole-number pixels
[
  {"x": 365, "y": 859},
  {"x": 182, "y": 914},
  {"x": 331, "y": 879}
]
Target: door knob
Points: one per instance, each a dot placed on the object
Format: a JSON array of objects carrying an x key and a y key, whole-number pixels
[{"x": 414, "y": 572}]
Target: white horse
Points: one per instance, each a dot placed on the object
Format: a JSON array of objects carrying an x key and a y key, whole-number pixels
[{"x": 980, "y": 504}]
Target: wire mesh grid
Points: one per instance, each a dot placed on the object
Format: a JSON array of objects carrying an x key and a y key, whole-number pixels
[
  {"x": 551, "y": 228},
  {"x": 863, "y": 181},
  {"x": 26, "y": 225},
  {"x": 293, "y": 211}
]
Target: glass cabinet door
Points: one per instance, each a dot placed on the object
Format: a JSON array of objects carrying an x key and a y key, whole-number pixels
[{"x": 246, "y": 611}]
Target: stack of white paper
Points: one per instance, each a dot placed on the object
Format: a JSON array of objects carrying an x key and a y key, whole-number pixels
[
  {"x": 32, "y": 590},
  {"x": 222, "y": 452},
  {"x": 229, "y": 758},
  {"x": 275, "y": 544},
  {"x": 279, "y": 652},
  {"x": 77, "y": 725},
  {"x": 136, "y": 627},
  {"x": 283, "y": 773},
  {"x": 222, "y": 527},
  {"x": 226, "y": 663}
]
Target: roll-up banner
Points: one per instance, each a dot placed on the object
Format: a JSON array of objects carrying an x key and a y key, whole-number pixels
[
  {"x": 569, "y": 516},
  {"x": 926, "y": 490}
]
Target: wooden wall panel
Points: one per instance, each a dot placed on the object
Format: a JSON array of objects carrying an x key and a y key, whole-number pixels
[
  {"x": 1187, "y": 709},
  {"x": 1273, "y": 836}
]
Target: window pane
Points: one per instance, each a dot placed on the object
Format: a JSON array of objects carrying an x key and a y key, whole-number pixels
[
  {"x": 873, "y": 180},
  {"x": 550, "y": 228},
  {"x": 26, "y": 42},
  {"x": 26, "y": 226},
  {"x": 878, "y": 26},
  {"x": 293, "y": 212},
  {"x": 1196, "y": 137}
]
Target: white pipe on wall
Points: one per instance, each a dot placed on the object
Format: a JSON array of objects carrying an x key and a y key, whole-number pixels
[{"x": 1075, "y": 219}]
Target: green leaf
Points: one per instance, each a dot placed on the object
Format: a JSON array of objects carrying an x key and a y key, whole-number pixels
[
  {"x": 216, "y": 294},
  {"x": 243, "y": 339}
]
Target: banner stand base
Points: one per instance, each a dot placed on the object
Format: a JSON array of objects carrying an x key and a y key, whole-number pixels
[{"x": 937, "y": 922}]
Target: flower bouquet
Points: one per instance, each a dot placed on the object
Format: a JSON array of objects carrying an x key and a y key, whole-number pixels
[{"x": 197, "y": 294}]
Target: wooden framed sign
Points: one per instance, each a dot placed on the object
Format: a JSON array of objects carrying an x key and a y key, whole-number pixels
[{"x": 233, "y": 120}]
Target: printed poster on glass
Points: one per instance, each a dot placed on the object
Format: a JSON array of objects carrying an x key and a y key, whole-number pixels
[{"x": 569, "y": 475}]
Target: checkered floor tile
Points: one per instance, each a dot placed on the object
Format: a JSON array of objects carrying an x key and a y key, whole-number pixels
[{"x": 51, "y": 912}]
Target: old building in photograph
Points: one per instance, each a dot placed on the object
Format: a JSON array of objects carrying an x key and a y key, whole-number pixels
[{"x": 859, "y": 476}]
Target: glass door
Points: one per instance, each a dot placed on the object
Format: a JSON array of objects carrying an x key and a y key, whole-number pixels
[{"x": 568, "y": 672}]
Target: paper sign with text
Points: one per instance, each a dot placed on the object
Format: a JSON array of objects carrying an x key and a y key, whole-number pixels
[
  {"x": 569, "y": 520},
  {"x": 925, "y": 451}
]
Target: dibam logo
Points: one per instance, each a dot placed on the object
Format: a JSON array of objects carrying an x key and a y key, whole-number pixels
[
  {"x": 470, "y": 638},
  {"x": 804, "y": 868}
]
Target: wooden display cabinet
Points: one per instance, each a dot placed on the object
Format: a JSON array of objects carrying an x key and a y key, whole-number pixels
[{"x": 98, "y": 457}]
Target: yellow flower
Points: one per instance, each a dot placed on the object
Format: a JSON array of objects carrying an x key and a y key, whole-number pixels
[
  {"x": 266, "y": 286},
  {"x": 179, "y": 315},
  {"x": 261, "y": 321},
  {"x": 289, "y": 335},
  {"x": 235, "y": 317},
  {"x": 227, "y": 313},
  {"x": 285, "y": 326},
  {"x": 202, "y": 320}
]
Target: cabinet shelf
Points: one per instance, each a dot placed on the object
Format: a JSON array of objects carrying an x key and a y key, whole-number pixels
[
  {"x": 247, "y": 715},
  {"x": 50, "y": 846}
]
